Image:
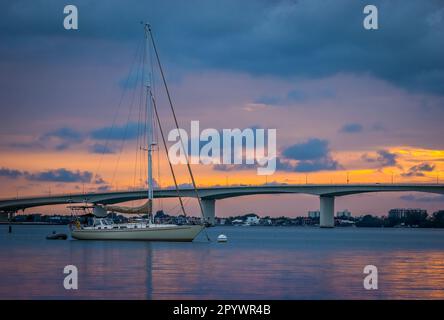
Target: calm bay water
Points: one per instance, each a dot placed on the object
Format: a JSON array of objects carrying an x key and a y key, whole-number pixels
[{"x": 256, "y": 263}]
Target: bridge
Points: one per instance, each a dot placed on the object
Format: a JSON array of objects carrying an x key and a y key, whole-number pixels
[{"x": 209, "y": 195}]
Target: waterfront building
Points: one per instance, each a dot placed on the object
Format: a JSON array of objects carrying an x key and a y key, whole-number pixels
[
  {"x": 252, "y": 219},
  {"x": 402, "y": 213},
  {"x": 343, "y": 214},
  {"x": 314, "y": 214}
]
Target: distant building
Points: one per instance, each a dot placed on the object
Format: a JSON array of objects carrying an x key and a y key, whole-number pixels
[
  {"x": 20, "y": 218},
  {"x": 314, "y": 214},
  {"x": 343, "y": 214},
  {"x": 3, "y": 217},
  {"x": 252, "y": 219},
  {"x": 266, "y": 221},
  {"x": 237, "y": 221},
  {"x": 402, "y": 213}
]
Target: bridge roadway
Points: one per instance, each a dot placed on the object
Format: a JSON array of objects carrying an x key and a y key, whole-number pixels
[{"x": 209, "y": 195}]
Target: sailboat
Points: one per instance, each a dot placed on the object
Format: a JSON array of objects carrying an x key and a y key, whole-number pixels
[{"x": 106, "y": 229}]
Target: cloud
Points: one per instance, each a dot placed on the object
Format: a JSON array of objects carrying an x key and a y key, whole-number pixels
[
  {"x": 384, "y": 158},
  {"x": 66, "y": 133},
  {"x": 312, "y": 149},
  {"x": 104, "y": 188},
  {"x": 351, "y": 128},
  {"x": 377, "y": 127},
  {"x": 323, "y": 164},
  {"x": 295, "y": 96},
  {"x": 98, "y": 180},
  {"x": 59, "y": 139},
  {"x": 61, "y": 175},
  {"x": 127, "y": 131},
  {"x": 56, "y": 175},
  {"x": 268, "y": 100},
  {"x": 284, "y": 165},
  {"x": 63, "y": 138},
  {"x": 101, "y": 149},
  {"x": 312, "y": 155},
  {"x": 10, "y": 173},
  {"x": 234, "y": 167},
  {"x": 413, "y": 198},
  {"x": 418, "y": 170},
  {"x": 256, "y": 37}
]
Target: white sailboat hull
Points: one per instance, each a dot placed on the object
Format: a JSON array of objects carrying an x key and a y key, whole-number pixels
[{"x": 170, "y": 233}]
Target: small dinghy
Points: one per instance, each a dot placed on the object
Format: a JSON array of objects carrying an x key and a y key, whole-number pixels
[{"x": 56, "y": 236}]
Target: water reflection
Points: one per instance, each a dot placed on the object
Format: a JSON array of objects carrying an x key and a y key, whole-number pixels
[{"x": 256, "y": 263}]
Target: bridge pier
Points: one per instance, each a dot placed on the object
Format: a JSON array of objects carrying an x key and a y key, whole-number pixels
[
  {"x": 209, "y": 210},
  {"x": 327, "y": 209}
]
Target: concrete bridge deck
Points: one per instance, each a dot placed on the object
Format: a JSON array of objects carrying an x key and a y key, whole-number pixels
[{"x": 326, "y": 193}]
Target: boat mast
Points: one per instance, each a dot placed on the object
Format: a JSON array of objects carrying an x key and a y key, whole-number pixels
[
  {"x": 151, "y": 145},
  {"x": 150, "y": 133}
]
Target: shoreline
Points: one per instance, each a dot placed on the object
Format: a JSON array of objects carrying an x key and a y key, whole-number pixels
[{"x": 33, "y": 223}]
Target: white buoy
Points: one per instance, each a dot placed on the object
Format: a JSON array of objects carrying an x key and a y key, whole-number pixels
[{"x": 222, "y": 238}]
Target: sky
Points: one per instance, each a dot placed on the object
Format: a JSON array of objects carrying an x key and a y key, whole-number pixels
[{"x": 347, "y": 103}]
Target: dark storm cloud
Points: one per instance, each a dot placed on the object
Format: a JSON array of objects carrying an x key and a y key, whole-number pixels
[
  {"x": 61, "y": 175},
  {"x": 10, "y": 173},
  {"x": 383, "y": 158},
  {"x": 323, "y": 164},
  {"x": 312, "y": 149},
  {"x": 418, "y": 170},
  {"x": 305, "y": 38},
  {"x": 351, "y": 128},
  {"x": 126, "y": 131},
  {"x": 63, "y": 138},
  {"x": 312, "y": 155},
  {"x": 219, "y": 147},
  {"x": 56, "y": 175}
]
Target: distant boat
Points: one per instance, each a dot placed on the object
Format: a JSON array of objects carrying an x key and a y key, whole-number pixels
[
  {"x": 105, "y": 229},
  {"x": 57, "y": 236}
]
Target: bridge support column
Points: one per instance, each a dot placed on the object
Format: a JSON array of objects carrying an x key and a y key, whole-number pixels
[
  {"x": 327, "y": 209},
  {"x": 209, "y": 210}
]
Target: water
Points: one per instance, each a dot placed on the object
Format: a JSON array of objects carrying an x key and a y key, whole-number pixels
[{"x": 256, "y": 263}]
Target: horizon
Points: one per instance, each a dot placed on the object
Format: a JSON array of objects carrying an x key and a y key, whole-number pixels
[{"x": 375, "y": 119}]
